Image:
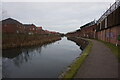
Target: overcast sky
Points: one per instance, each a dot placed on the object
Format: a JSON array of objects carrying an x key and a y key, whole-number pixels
[{"x": 55, "y": 16}]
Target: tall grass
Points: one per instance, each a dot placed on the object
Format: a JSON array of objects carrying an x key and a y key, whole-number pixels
[{"x": 22, "y": 40}]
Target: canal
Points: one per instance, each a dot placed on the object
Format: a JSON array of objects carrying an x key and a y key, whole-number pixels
[{"x": 47, "y": 61}]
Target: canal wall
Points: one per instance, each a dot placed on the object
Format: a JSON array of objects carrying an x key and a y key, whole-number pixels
[
  {"x": 79, "y": 41},
  {"x": 18, "y": 41},
  {"x": 76, "y": 64}
]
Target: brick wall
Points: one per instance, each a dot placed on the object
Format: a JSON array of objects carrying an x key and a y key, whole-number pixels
[
  {"x": 109, "y": 35},
  {"x": 88, "y": 32},
  {"x": 9, "y": 28}
]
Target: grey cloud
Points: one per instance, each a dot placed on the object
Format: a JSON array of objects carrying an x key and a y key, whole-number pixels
[{"x": 62, "y": 16}]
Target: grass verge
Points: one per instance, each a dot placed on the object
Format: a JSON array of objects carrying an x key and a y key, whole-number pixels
[
  {"x": 115, "y": 49},
  {"x": 76, "y": 65}
]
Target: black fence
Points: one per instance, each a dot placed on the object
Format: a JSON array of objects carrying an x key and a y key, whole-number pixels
[{"x": 110, "y": 18}]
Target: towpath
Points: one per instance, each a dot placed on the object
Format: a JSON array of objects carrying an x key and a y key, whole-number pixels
[{"x": 101, "y": 63}]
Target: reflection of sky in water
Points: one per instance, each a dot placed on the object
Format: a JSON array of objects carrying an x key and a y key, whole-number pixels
[{"x": 46, "y": 61}]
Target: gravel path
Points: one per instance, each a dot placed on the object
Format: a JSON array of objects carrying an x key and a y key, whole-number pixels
[{"x": 101, "y": 63}]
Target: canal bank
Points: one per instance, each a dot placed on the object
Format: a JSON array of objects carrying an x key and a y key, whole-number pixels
[
  {"x": 101, "y": 63},
  {"x": 23, "y": 40},
  {"x": 72, "y": 69}
]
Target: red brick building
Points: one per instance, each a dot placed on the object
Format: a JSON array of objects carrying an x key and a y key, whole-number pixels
[
  {"x": 107, "y": 28},
  {"x": 88, "y": 30},
  {"x": 75, "y": 33},
  {"x": 30, "y": 29},
  {"x": 39, "y": 30},
  {"x": 51, "y": 32},
  {"x": 11, "y": 26}
]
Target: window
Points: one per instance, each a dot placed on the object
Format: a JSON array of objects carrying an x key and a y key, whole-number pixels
[
  {"x": 17, "y": 31},
  {"x": 106, "y": 22},
  {"x": 100, "y": 25},
  {"x": 33, "y": 28}
]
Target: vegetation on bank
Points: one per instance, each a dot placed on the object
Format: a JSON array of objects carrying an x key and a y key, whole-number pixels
[
  {"x": 115, "y": 49},
  {"x": 78, "y": 62},
  {"x": 24, "y": 40}
]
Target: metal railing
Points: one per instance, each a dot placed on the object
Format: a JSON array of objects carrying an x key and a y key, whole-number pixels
[{"x": 109, "y": 11}]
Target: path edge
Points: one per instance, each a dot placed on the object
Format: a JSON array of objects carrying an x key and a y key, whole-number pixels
[{"x": 73, "y": 68}]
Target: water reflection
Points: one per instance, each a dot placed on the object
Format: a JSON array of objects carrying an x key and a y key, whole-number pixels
[
  {"x": 19, "y": 56},
  {"x": 17, "y": 52},
  {"x": 11, "y": 53},
  {"x": 40, "y": 61}
]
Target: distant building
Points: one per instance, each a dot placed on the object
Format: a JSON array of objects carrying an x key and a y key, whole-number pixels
[
  {"x": 11, "y": 26},
  {"x": 88, "y": 30},
  {"x": 51, "y": 32},
  {"x": 47, "y": 32},
  {"x": 39, "y": 30},
  {"x": 30, "y": 28}
]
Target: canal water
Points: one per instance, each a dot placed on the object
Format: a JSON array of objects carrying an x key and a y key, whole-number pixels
[{"x": 47, "y": 61}]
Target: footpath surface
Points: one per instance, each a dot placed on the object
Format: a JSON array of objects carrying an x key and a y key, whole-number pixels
[{"x": 101, "y": 63}]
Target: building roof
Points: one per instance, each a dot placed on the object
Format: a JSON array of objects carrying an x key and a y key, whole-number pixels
[
  {"x": 88, "y": 24},
  {"x": 28, "y": 25},
  {"x": 77, "y": 30},
  {"x": 39, "y": 27},
  {"x": 10, "y": 21},
  {"x": 110, "y": 10}
]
